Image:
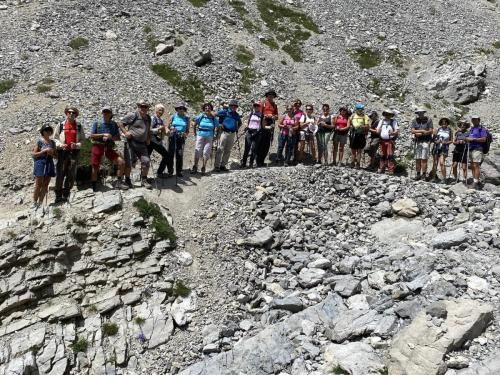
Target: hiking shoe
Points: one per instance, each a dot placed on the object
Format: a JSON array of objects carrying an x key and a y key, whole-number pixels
[
  {"x": 203, "y": 170},
  {"x": 128, "y": 181},
  {"x": 146, "y": 184},
  {"x": 417, "y": 177},
  {"x": 285, "y": 164},
  {"x": 179, "y": 174},
  {"x": 58, "y": 200},
  {"x": 119, "y": 184},
  {"x": 94, "y": 186},
  {"x": 216, "y": 170},
  {"x": 35, "y": 206},
  {"x": 194, "y": 170},
  {"x": 380, "y": 171},
  {"x": 242, "y": 166},
  {"x": 223, "y": 169}
]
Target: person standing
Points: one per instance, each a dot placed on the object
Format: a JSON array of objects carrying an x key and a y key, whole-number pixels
[
  {"x": 230, "y": 123},
  {"x": 422, "y": 129},
  {"x": 358, "y": 125},
  {"x": 441, "y": 143},
  {"x": 477, "y": 138},
  {"x": 68, "y": 137},
  {"x": 177, "y": 130},
  {"x": 103, "y": 135},
  {"x": 308, "y": 128},
  {"x": 388, "y": 131},
  {"x": 158, "y": 132},
  {"x": 373, "y": 142},
  {"x": 205, "y": 127},
  {"x": 297, "y": 114},
  {"x": 288, "y": 127},
  {"x": 136, "y": 127},
  {"x": 460, "y": 154},
  {"x": 252, "y": 135},
  {"x": 340, "y": 123},
  {"x": 324, "y": 134},
  {"x": 270, "y": 112},
  {"x": 43, "y": 154}
]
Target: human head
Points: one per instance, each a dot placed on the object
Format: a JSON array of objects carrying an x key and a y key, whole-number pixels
[
  {"x": 388, "y": 113},
  {"x": 107, "y": 114},
  {"x": 271, "y": 95},
  {"x": 360, "y": 108},
  {"x": 290, "y": 109},
  {"x": 444, "y": 122},
  {"x": 343, "y": 111},
  {"x": 180, "y": 107},
  {"x": 297, "y": 104},
  {"x": 420, "y": 112},
  {"x": 46, "y": 131},
  {"x": 159, "y": 109},
  {"x": 71, "y": 113},
  {"x": 143, "y": 107},
  {"x": 476, "y": 120},
  {"x": 373, "y": 116},
  {"x": 463, "y": 125},
  {"x": 309, "y": 108},
  {"x": 207, "y": 107},
  {"x": 256, "y": 106},
  {"x": 233, "y": 105},
  {"x": 326, "y": 108}
]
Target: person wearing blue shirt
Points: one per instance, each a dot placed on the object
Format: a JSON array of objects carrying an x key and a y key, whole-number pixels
[
  {"x": 205, "y": 127},
  {"x": 477, "y": 138},
  {"x": 230, "y": 122},
  {"x": 178, "y": 130}
]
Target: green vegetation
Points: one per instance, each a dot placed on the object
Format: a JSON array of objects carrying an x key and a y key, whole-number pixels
[
  {"x": 43, "y": 88},
  {"x": 24, "y": 57},
  {"x": 78, "y": 43},
  {"x": 109, "y": 329},
  {"x": 11, "y": 234},
  {"x": 271, "y": 43},
  {"x": 57, "y": 213},
  {"x": 366, "y": 57},
  {"x": 244, "y": 55},
  {"x": 239, "y": 6},
  {"x": 6, "y": 85},
  {"x": 179, "y": 290},
  {"x": 151, "y": 42},
  {"x": 496, "y": 44},
  {"x": 337, "y": 370},
  {"x": 428, "y": 105},
  {"x": 395, "y": 58},
  {"x": 48, "y": 81},
  {"x": 385, "y": 371},
  {"x": 147, "y": 29},
  {"x": 485, "y": 51},
  {"x": 251, "y": 27},
  {"x": 291, "y": 27},
  {"x": 199, "y": 3},
  {"x": 81, "y": 345},
  {"x": 190, "y": 89},
  {"x": 178, "y": 42},
  {"x": 248, "y": 76},
  {"x": 375, "y": 86},
  {"x": 162, "y": 228},
  {"x": 139, "y": 320}
]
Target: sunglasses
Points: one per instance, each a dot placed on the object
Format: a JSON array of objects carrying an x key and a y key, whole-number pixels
[
  {"x": 70, "y": 113},
  {"x": 309, "y": 109}
]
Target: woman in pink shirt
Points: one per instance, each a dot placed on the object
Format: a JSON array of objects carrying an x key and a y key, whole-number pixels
[
  {"x": 340, "y": 137},
  {"x": 288, "y": 127}
]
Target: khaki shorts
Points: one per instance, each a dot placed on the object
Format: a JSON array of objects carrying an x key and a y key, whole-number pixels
[
  {"x": 422, "y": 150},
  {"x": 476, "y": 156}
]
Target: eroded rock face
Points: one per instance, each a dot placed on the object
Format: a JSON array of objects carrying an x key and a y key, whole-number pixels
[{"x": 420, "y": 348}]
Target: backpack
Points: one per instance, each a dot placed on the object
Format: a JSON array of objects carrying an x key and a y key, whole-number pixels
[
  {"x": 391, "y": 124},
  {"x": 99, "y": 129},
  {"x": 487, "y": 144}
]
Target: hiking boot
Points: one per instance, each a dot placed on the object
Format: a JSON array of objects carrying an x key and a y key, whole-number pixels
[
  {"x": 180, "y": 175},
  {"x": 119, "y": 184},
  {"x": 203, "y": 170},
  {"x": 418, "y": 177},
  {"x": 59, "y": 200},
  {"x": 285, "y": 164},
  {"x": 164, "y": 175},
  {"x": 194, "y": 170},
  {"x": 94, "y": 186},
  {"x": 35, "y": 206},
  {"x": 146, "y": 184},
  {"x": 216, "y": 170},
  {"x": 243, "y": 166},
  {"x": 223, "y": 169},
  {"x": 128, "y": 181}
]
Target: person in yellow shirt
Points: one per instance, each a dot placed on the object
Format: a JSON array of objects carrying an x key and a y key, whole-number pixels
[{"x": 358, "y": 125}]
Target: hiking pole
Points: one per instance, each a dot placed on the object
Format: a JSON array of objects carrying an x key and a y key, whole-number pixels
[{"x": 239, "y": 147}]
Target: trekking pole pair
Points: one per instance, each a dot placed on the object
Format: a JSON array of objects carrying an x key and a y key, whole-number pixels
[{"x": 465, "y": 154}]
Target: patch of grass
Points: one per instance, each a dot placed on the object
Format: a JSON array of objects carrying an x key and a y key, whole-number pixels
[
  {"x": 244, "y": 55},
  {"x": 366, "y": 57},
  {"x": 78, "y": 43},
  {"x": 292, "y": 27},
  {"x": 496, "y": 44},
  {"x": 24, "y": 57},
  {"x": 199, "y": 3},
  {"x": 178, "y": 42},
  {"x": 238, "y": 6},
  {"x": 6, "y": 85},
  {"x": 485, "y": 51},
  {"x": 151, "y": 42},
  {"x": 375, "y": 86},
  {"x": 57, "y": 212},
  {"x": 251, "y": 27},
  {"x": 248, "y": 77},
  {"x": 428, "y": 105},
  {"x": 147, "y": 29},
  {"x": 43, "y": 88},
  {"x": 92, "y": 309},
  {"x": 109, "y": 329},
  {"x": 48, "y": 81},
  {"x": 79, "y": 220},
  {"x": 180, "y": 289},
  {"x": 190, "y": 89},
  {"x": 271, "y": 43},
  {"x": 337, "y": 370},
  {"x": 395, "y": 58},
  {"x": 81, "y": 345},
  {"x": 139, "y": 320},
  {"x": 385, "y": 371},
  {"x": 162, "y": 228}
]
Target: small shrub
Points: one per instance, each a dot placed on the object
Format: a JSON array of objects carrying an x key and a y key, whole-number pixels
[
  {"x": 81, "y": 345},
  {"x": 199, "y": 3},
  {"x": 248, "y": 77},
  {"x": 160, "y": 224},
  {"x": 147, "y": 29},
  {"x": 271, "y": 43},
  {"x": 139, "y": 320},
  {"x": 385, "y": 371},
  {"x": 496, "y": 44},
  {"x": 43, "y": 88},
  {"x": 337, "y": 370},
  {"x": 6, "y": 85},
  {"x": 11, "y": 234},
  {"x": 109, "y": 329},
  {"x": 396, "y": 58},
  {"x": 251, "y": 27},
  {"x": 428, "y": 105},
  {"x": 375, "y": 86},
  {"x": 180, "y": 289},
  {"x": 366, "y": 57},
  {"x": 178, "y": 42},
  {"x": 78, "y": 220},
  {"x": 57, "y": 212},
  {"x": 244, "y": 55},
  {"x": 92, "y": 309},
  {"x": 24, "y": 57},
  {"x": 190, "y": 88},
  {"x": 151, "y": 42},
  {"x": 239, "y": 6},
  {"x": 78, "y": 43},
  {"x": 485, "y": 51}
]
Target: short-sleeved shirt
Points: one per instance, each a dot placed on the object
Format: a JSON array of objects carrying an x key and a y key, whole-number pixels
[
  {"x": 206, "y": 125},
  {"x": 100, "y": 127},
  {"x": 425, "y": 124},
  {"x": 477, "y": 132},
  {"x": 289, "y": 122},
  {"x": 255, "y": 121},
  {"x": 460, "y": 136},
  {"x": 180, "y": 123},
  {"x": 137, "y": 126},
  {"x": 385, "y": 126},
  {"x": 230, "y": 120}
]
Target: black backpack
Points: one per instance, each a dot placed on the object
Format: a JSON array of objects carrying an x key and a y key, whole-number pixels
[{"x": 487, "y": 144}]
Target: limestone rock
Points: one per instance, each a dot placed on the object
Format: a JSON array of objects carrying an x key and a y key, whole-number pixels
[
  {"x": 446, "y": 240},
  {"x": 108, "y": 201},
  {"x": 355, "y": 358},
  {"x": 261, "y": 237},
  {"x": 405, "y": 207}
]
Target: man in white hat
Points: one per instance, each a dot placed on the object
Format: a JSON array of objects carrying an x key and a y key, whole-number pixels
[
  {"x": 388, "y": 131},
  {"x": 422, "y": 129}
]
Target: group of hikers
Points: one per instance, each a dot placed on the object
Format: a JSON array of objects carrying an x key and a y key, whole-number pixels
[{"x": 301, "y": 133}]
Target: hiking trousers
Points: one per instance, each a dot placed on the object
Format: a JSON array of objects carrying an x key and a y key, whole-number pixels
[
  {"x": 323, "y": 139},
  {"x": 387, "y": 158},
  {"x": 175, "y": 150},
  {"x": 67, "y": 163},
  {"x": 285, "y": 143},
  {"x": 264, "y": 146},
  {"x": 252, "y": 138},
  {"x": 159, "y": 148},
  {"x": 224, "y": 151}
]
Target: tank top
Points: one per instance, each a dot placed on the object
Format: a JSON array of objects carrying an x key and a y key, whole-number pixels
[
  {"x": 255, "y": 120},
  {"x": 341, "y": 124},
  {"x": 328, "y": 121}
]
